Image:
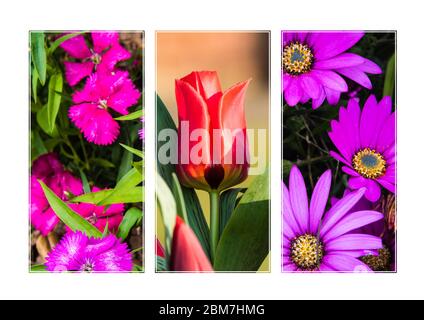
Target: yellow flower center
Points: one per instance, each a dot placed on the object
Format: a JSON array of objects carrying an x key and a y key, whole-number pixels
[
  {"x": 306, "y": 252},
  {"x": 297, "y": 58},
  {"x": 369, "y": 163}
]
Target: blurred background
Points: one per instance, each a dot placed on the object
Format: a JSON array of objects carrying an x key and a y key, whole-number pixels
[{"x": 236, "y": 56}]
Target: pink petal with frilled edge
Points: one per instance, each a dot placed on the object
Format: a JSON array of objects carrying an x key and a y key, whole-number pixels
[
  {"x": 75, "y": 71},
  {"x": 96, "y": 123}
]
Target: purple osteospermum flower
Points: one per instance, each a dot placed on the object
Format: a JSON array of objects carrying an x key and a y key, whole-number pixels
[
  {"x": 102, "y": 57},
  {"x": 77, "y": 252},
  {"x": 366, "y": 143},
  {"x": 313, "y": 63},
  {"x": 315, "y": 240}
]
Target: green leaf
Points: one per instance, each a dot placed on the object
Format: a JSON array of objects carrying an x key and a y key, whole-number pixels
[
  {"x": 161, "y": 265},
  {"x": 133, "y": 150},
  {"x": 168, "y": 209},
  {"x": 70, "y": 218},
  {"x": 179, "y": 198},
  {"x": 42, "y": 120},
  {"x": 390, "y": 78},
  {"x": 129, "y": 181},
  {"x": 125, "y": 165},
  {"x": 60, "y": 40},
  {"x": 38, "y": 147},
  {"x": 131, "y": 218},
  {"x": 245, "y": 241},
  {"x": 38, "y": 268},
  {"x": 38, "y": 55},
  {"x": 137, "y": 268},
  {"x": 54, "y": 97},
  {"x": 228, "y": 201},
  {"x": 85, "y": 184},
  {"x": 107, "y": 197},
  {"x": 34, "y": 84},
  {"x": 103, "y": 163},
  {"x": 132, "y": 116},
  {"x": 196, "y": 218}
]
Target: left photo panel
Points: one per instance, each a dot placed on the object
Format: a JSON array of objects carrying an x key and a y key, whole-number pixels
[{"x": 86, "y": 145}]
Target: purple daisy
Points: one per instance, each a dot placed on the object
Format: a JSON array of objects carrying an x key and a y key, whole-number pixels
[
  {"x": 367, "y": 145},
  {"x": 77, "y": 252},
  {"x": 315, "y": 240},
  {"x": 314, "y": 63}
]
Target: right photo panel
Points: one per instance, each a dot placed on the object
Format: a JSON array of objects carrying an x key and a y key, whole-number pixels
[{"x": 339, "y": 151}]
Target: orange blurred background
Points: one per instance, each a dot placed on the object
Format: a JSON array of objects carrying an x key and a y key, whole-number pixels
[{"x": 236, "y": 56}]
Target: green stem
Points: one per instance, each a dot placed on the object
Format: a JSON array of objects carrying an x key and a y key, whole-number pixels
[{"x": 214, "y": 218}]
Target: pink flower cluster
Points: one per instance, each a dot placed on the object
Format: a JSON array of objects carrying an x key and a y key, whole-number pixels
[
  {"x": 107, "y": 88},
  {"x": 48, "y": 169}
]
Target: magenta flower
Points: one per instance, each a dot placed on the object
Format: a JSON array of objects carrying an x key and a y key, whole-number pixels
[
  {"x": 366, "y": 144},
  {"x": 48, "y": 169},
  {"x": 100, "y": 216},
  {"x": 102, "y": 92},
  {"x": 315, "y": 240},
  {"x": 382, "y": 259},
  {"x": 77, "y": 252},
  {"x": 102, "y": 57},
  {"x": 314, "y": 63}
]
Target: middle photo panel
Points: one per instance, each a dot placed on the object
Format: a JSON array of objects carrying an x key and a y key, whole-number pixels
[{"x": 212, "y": 148}]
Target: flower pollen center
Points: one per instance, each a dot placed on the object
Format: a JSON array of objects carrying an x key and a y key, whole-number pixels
[
  {"x": 380, "y": 262},
  {"x": 369, "y": 163},
  {"x": 102, "y": 104},
  {"x": 96, "y": 58},
  {"x": 306, "y": 252},
  {"x": 297, "y": 58}
]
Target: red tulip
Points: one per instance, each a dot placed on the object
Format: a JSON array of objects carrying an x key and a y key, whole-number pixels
[
  {"x": 221, "y": 145},
  {"x": 187, "y": 253}
]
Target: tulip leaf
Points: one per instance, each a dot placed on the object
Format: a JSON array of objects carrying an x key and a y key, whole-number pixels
[
  {"x": 38, "y": 55},
  {"x": 227, "y": 203},
  {"x": 70, "y": 218},
  {"x": 168, "y": 209},
  {"x": 178, "y": 193},
  {"x": 244, "y": 243},
  {"x": 132, "y": 116},
  {"x": 161, "y": 265},
  {"x": 196, "y": 218},
  {"x": 131, "y": 218},
  {"x": 389, "y": 80}
]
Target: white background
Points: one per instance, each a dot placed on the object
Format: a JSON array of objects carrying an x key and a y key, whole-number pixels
[{"x": 18, "y": 17}]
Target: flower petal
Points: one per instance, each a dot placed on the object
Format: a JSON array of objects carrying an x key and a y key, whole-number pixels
[
  {"x": 76, "y": 47},
  {"x": 341, "y": 61},
  {"x": 299, "y": 198},
  {"x": 354, "y": 242},
  {"x": 340, "y": 262},
  {"x": 319, "y": 201},
  {"x": 75, "y": 71}
]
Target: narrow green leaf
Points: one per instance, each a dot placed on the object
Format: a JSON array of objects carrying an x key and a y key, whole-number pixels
[
  {"x": 228, "y": 201},
  {"x": 34, "y": 83},
  {"x": 128, "y": 182},
  {"x": 244, "y": 243},
  {"x": 132, "y": 116},
  {"x": 137, "y": 268},
  {"x": 103, "y": 163},
  {"x": 133, "y": 150},
  {"x": 168, "y": 209},
  {"x": 70, "y": 218},
  {"x": 389, "y": 80},
  {"x": 131, "y": 218},
  {"x": 196, "y": 218},
  {"x": 54, "y": 98},
  {"x": 179, "y": 198},
  {"x": 85, "y": 184},
  {"x": 37, "y": 145},
  {"x": 38, "y": 54},
  {"x": 107, "y": 197},
  {"x": 60, "y": 40}
]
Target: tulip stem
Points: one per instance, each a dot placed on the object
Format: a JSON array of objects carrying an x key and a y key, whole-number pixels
[{"x": 214, "y": 218}]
